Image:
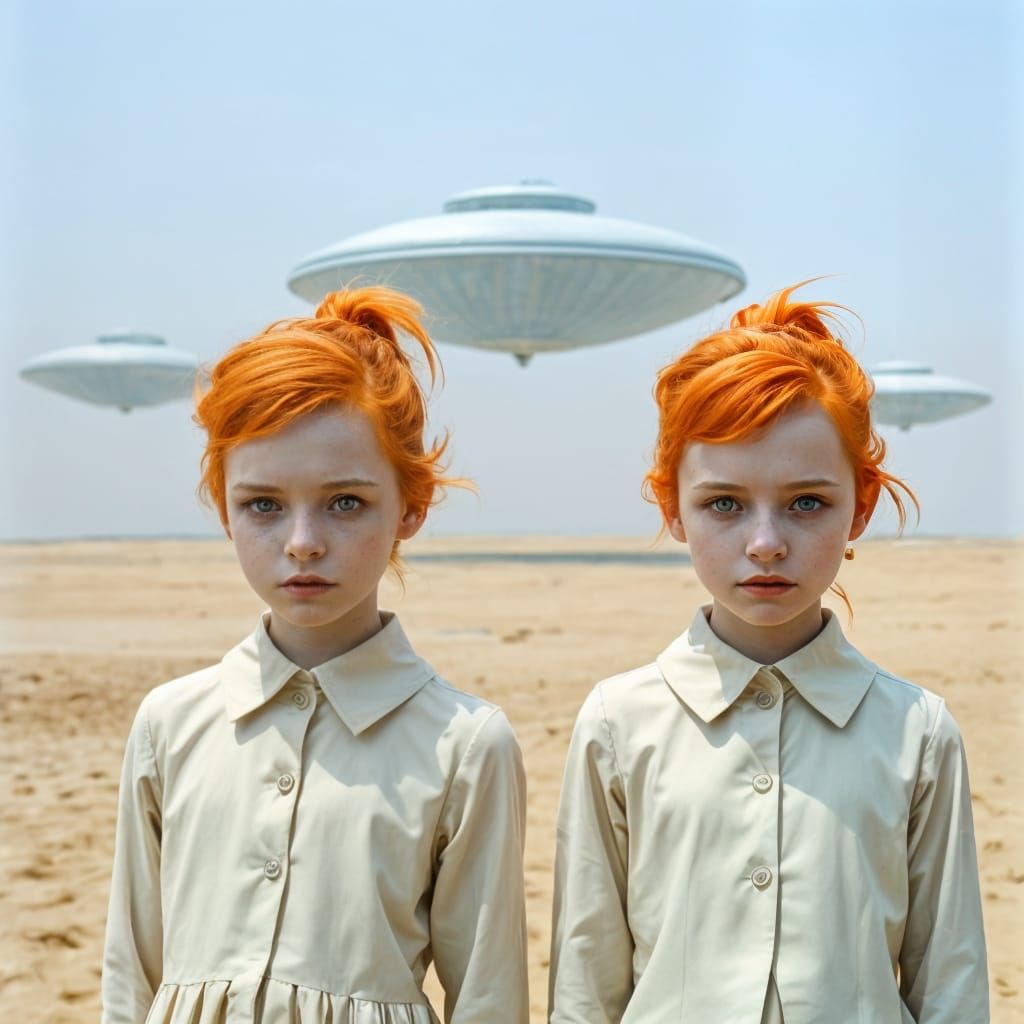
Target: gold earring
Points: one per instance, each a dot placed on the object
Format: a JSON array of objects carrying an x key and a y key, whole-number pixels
[{"x": 849, "y": 554}]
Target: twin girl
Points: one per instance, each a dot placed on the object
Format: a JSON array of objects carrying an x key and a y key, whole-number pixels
[{"x": 759, "y": 826}]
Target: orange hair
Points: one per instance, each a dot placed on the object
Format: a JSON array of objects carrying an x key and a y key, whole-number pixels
[
  {"x": 347, "y": 352},
  {"x": 740, "y": 380}
]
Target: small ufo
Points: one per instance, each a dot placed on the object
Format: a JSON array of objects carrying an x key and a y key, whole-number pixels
[
  {"x": 529, "y": 268},
  {"x": 908, "y": 393},
  {"x": 122, "y": 369}
]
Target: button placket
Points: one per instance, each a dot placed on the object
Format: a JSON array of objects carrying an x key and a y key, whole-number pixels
[
  {"x": 274, "y": 826},
  {"x": 763, "y": 727}
]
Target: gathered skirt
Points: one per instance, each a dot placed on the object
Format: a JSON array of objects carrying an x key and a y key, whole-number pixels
[{"x": 267, "y": 1001}]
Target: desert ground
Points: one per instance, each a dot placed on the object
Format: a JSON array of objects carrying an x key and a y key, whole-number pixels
[{"x": 88, "y": 628}]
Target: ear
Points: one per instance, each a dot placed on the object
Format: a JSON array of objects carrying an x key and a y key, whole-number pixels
[
  {"x": 859, "y": 525},
  {"x": 410, "y": 523},
  {"x": 675, "y": 527},
  {"x": 865, "y": 510}
]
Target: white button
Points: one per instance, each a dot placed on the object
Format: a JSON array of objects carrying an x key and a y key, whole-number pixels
[
  {"x": 761, "y": 877},
  {"x": 762, "y": 783},
  {"x": 286, "y": 782},
  {"x": 300, "y": 698},
  {"x": 765, "y": 699},
  {"x": 272, "y": 869}
]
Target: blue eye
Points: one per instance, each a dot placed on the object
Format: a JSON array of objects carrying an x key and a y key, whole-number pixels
[
  {"x": 724, "y": 504},
  {"x": 263, "y": 506},
  {"x": 346, "y": 503},
  {"x": 807, "y": 503}
]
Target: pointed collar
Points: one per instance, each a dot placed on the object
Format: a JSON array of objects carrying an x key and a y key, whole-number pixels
[
  {"x": 708, "y": 675},
  {"x": 363, "y": 685}
]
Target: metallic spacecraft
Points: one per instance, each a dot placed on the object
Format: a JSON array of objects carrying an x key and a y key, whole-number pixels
[
  {"x": 123, "y": 369},
  {"x": 530, "y": 268},
  {"x": 907, "y": 393}
]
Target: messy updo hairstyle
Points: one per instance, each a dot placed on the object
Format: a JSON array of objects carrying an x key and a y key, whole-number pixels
[
  {"x": 771, "y": 358},
  {"x": 348, "y": 352}
]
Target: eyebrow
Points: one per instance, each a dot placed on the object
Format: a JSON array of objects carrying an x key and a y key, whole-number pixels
[
  {"x": 795, "y": 485},
  {"x": 330, "y": 485}
]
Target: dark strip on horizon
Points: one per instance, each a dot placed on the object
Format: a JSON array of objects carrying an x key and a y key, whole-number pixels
[{"x": 653, "y": 558}]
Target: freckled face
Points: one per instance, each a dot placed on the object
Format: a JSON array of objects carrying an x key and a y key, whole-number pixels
[
  {"x": 767, "y": 520},
  {"x": 314, "y": 510}
]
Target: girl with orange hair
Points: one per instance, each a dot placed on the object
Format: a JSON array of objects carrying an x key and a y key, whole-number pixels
[
  {"x": 304, "y": 827},
  {"x": 762, "y": 824}
]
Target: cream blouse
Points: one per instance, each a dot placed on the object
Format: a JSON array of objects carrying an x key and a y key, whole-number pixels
[
  {"x": 740, "y": 842},
  {"x": 299, "y": 846}
]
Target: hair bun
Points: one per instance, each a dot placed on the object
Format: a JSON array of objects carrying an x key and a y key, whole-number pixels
[
  {"x": 377, "y": 309},
  {"x": 381, "y": 311},
  {"x": 779, "y": 313}
]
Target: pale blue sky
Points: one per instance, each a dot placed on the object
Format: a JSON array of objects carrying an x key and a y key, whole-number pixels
[{"x": 165, "y": 165}]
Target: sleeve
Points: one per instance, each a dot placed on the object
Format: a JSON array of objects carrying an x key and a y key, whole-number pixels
[
  {"x": 477, "y": 914},
  {"x": 943, "y": 977},
  {"x": 591, "y": 978},
  {"x": 133, "y": 950}
]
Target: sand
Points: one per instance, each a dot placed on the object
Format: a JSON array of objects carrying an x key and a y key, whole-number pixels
[{"x": 88, "y": 628}]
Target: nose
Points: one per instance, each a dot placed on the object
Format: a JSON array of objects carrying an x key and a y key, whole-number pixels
[
  {"x": 305, "y": 540},
  {"x": 766, "y": 543}
]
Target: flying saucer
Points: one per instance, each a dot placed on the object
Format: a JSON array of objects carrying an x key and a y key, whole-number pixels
[
  {"x": 908, "y": 393},
  {"x": 529, "y": 268},
  {"x": 122, "y": 369}
]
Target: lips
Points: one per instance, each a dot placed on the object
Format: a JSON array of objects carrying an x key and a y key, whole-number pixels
[
  {"x": 767, "y": 586},
  {"x": 306, "y": 585}
]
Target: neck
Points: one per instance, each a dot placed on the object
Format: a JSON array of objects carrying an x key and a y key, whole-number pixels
[
  {"x": 309, "y": 646},
  {"x": 766, "y": 645}
]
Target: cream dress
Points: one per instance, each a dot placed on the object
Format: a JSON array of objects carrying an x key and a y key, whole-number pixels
[
  {"x": 741, "y": 842},
  {"x": 298, "y": 846}
]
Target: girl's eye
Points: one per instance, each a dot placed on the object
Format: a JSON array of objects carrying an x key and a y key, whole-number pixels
[
  {"x": 806, "y": 503},
  {"x": 263, "y": 506},
  {"x": 724, "y": 504},
  {"x": 346, "y": 503}
]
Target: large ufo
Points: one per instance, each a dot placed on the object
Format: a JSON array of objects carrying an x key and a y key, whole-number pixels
[
  {"x": 907, "y": 393},
  {"x": 122, "y": 369},
  {"x": 529, "y": 268}
]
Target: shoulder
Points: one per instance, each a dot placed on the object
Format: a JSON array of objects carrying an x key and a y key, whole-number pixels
[
  {"x": 479, "y": 747},
  {"x": 920, "y": 729},
  {"x": 616, "y": 708},
  {"x": 166, "y": 701},
  {"x": 444, "y": 692},
  {"x": 620, "y": 697},
  {"x": 179, "y": 704},
  {"x": 160, "y": 715},
  {"x": 471, "y": 721},
  {"x": 643, "y": 682},
  {"x": 926, "y": 739},
  {"x": 913, "y": 704}
]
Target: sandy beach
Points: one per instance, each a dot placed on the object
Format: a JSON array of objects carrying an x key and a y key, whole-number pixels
[{"x": 88, "y": 628}]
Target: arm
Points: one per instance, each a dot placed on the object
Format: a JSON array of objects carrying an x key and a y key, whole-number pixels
[
  {"x": 477, "y": 915},
  {"x": 133, "y": 951},
  {"x": 591, "y": 944},
  {"x": 942, "y": 962}
]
